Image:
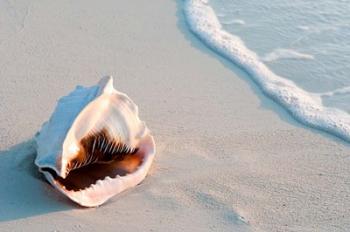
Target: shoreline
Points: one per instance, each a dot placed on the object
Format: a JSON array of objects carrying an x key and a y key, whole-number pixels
[
  {"x": 228, "y": 158},
  {"x": 304, "y": 106}
]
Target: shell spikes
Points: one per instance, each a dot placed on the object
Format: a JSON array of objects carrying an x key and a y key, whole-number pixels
[{"x": 94, "y": 145}]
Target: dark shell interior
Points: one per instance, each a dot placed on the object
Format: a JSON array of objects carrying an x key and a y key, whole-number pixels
[{"x": 99, "y": 156}]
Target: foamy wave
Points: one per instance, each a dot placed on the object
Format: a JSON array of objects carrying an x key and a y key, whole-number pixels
[
  {"x": 304, "y": 106},
  {"x": 280, "y": 53},
  {"x": 341, "y": 91},
  {"x": 234, "y": 21},
  {"x": 304, "y": 28}
]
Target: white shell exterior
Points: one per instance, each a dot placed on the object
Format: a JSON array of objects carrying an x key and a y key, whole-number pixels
[{"x": 89, "y": 109}]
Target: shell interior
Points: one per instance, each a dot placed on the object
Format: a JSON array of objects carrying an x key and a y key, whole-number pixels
[{"x": 100, "y": 156}]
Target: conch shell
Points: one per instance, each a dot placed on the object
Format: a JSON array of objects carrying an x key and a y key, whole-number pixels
[{"x": 94, "y": 146}]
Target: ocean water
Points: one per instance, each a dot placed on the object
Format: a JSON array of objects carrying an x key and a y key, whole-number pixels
[{"x": 296, "y": 51}]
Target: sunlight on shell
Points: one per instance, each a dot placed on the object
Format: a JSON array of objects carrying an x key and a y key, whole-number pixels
[{"x": 94, "y": 145}]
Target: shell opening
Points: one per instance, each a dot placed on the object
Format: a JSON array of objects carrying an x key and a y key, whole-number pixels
[{"x": 99, "y": 156}]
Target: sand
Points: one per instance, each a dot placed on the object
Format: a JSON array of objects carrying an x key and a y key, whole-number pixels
[{"x": 228, "y": 159}]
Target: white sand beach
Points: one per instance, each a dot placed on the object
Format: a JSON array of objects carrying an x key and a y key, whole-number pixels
[{"x": 228, "y": 158}]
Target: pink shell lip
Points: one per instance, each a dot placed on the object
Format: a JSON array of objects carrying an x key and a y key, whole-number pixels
[{"x": 104, "y": 189}]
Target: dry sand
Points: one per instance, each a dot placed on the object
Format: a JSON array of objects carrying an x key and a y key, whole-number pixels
[{"x": 228, "y": 159}]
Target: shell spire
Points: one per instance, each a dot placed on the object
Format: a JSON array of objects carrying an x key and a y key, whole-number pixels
[{"x": 106, "y": 84}]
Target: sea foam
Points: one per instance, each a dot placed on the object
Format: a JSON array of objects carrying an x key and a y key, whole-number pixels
[
  {"x": 280, "y": 54},
  {"x": 304, "y": 106}
]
